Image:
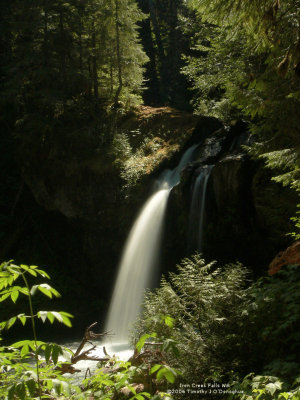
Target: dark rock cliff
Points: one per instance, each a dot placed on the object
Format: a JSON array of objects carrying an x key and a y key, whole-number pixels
[{"x": 247, "y": 215}]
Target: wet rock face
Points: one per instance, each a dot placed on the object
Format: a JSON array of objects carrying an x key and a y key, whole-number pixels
[
  {"x": 229, "y": 181},
  {"x": 246, "y": 214}
]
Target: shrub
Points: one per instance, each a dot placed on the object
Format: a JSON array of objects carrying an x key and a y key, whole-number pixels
[
  {"x": 226, "y": 327},
  {"x": 19, "y": 380},
  {"x": 206, "y": 305}
]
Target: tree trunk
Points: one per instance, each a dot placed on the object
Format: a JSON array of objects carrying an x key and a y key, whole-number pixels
[
  {"x": 94, "y": 62},
  {"x": 160, "y": 52},
  {"x": 156, "y": 30},
  {"x": 62, "y": 50},
  {"x": 119, "y": 89},
  {"x": 45, "y": 43}
]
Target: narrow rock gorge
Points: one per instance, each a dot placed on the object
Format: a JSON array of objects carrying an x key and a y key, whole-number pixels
[{"x": 87, "y": 202}]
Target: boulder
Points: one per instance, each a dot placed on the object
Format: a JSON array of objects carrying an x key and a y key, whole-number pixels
[{"x": 289, "y": 256}]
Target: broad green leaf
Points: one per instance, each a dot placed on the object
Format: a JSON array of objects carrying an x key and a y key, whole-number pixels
[
  {"x": 57, "y": 386},
  {"x": 36, "y": 345},
  {"x": 11, "y": 392},
  {"x": 146, "y": 394},
  {"x": 66, "y": 318},
  {"x": 169, "y": 376},
  {"x": 42, "y": 273},
  {"x": 24, "y": 290},
  {"x": 168, "y": 373},
  {"x": 284, "y": 395},
  {"x": 161, "y": 373},
  {"x": 48, "y": 350},
  {"x": 121, "y": 382},
  {"x": 21, "y": 390},
  {"x": 56, "y": 351},
  {"x": 50, "y": 316},
  {"x": 4, "y": 274},
  {"x": 31, "y": 385},
  {"x": 10, "y": 322},
  {"x": 155, "y": 368},
  {"x": 24, "y": 350},
  {"x": 58, "y": 316},
  {"x": 141, "y": 342},
  {"x": 49, "y": 384},
  {"x": 22, "y": 318},
  {"x": 138, "y": 397},
  {"x": 11, "y": 280},
  {"x": 45, "y": 289},
  {"x": 271, "y": 388},
  {"x": 55, "y": 292},
  {"x": 14, "y": 295},
  {"x": 32, "y": 272},
  {"x": 132, "y": 389},
  {"x": 20, "y": 343},
  {"x": 5, "y": 296}
]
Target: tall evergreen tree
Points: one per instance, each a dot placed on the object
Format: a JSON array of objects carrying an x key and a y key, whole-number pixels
[
  {"x": 165, "y": 42},
  {"x": 250, "y": 68},
  {"x": 58, "y": 50}
]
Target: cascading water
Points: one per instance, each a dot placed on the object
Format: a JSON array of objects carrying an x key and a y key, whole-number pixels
[
  {"x": 140, "y": 255},
  {"x": 135, "y": 271},
  {"x": 197, "y": 208}
]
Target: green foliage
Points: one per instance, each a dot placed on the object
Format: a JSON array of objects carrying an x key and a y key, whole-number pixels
[
  {"x": 19, "y": 379},
  {"x": 248, "y": 67},
  {"x": 274, "y": 313},
  {"x": 204, "y": 305},
  {"x": 296, "y": 220},
  {"x": 75, "y": 48},
  {"x": 142, "y": 159},
  {"x": 262, "y": 387},
  {"x": 22, "y": 380},
  {"x": 220, "y": 324}
]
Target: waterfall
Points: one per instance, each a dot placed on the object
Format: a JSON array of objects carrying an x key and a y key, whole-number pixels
[
  {"x": 140, "y": 254},
  {"x": 197, "y": 208},
  {"x": 138, "y": 259}
]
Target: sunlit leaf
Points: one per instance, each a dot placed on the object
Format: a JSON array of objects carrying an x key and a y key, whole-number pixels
[
  {"x": 42, "y": 273},
  {"x": 22, "y": 318},
  {"x": 10, "y": 322},
  {"x": 25, "y": 350},
  {"x": 14, "y": 295},
  {"x": 32, "y": 272},
  {"x": 50, "y": 316},
  {"x": 42, "y": 315},
  {"x": 155, "y": 368},
  {"x": 45, "y": 289},
  {"x": 141, "y": 342}
]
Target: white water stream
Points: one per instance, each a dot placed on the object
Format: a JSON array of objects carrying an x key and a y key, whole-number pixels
[
  {"x": 140, "y": 256},
  {"x": 196, "y": 218}
]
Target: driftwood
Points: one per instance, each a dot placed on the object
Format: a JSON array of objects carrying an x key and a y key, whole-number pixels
[{"x": 80, "y": 355}]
